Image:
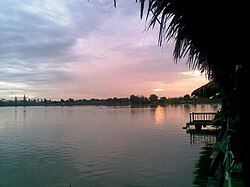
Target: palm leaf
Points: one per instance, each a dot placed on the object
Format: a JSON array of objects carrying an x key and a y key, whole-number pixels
[{"x": 208, "y": 90}]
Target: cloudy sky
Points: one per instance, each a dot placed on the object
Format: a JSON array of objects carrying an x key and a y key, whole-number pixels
[{"x": 85, "y": 49}]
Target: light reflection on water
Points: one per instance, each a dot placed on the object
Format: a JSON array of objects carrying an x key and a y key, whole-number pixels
[
  {"x": 159, "y": 115},
  {"x": 93, "y": 146}
]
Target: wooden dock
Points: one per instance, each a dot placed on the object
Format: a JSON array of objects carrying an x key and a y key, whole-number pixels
[
  {"x": 201, "y": 120},
  {"x": 226, "y": 167}
]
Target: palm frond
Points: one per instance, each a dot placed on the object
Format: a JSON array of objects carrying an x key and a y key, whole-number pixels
[
  {"x": 208, "y": 90},
  {"x": 179, "y": 20}
]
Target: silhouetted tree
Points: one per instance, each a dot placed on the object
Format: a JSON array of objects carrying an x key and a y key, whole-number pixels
[
  {"x": 153, "y": 98},
  {"x": 163, "y": 100}
]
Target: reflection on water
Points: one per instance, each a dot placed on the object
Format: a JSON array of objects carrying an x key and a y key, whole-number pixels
[
  {"x": 1, "y": 124},
  {"x": 202, "y": 137},
  {"x": 202, "y": 167},
  {"x": 159, "y": 115},
  {"x": 186, "y": 107},
  {"x": 207, "y": 138},
  {"x": 89, "y": 146}
]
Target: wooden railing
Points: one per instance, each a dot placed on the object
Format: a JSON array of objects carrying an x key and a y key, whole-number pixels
[{"x": 201, "y": 116}]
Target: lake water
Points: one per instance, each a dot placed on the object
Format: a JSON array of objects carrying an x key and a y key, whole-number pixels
[{"x": 97, "y": 146}]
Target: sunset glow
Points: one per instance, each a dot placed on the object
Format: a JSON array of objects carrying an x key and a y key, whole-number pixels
[
  {"x": 158, "y": 90},
  {"x": 85, "y": 49}
]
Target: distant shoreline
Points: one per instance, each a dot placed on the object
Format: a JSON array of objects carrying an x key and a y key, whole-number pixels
[
  {"x": 132, "y": 100},
  {"x": 107, "y": 104}
]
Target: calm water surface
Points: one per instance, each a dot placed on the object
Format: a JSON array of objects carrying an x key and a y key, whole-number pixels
[{"x": 97, "y": 146}]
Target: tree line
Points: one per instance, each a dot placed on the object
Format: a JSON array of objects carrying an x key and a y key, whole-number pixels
[{"x": 153, "y": 99}]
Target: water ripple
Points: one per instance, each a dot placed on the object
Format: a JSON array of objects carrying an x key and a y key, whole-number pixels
[{"x": 58, "y": 146}]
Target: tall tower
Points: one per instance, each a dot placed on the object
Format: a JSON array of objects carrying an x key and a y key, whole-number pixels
[{"x": 24, "y": 98}]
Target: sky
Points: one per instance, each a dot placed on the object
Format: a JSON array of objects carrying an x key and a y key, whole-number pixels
[{"x": 85, "y": 49}]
